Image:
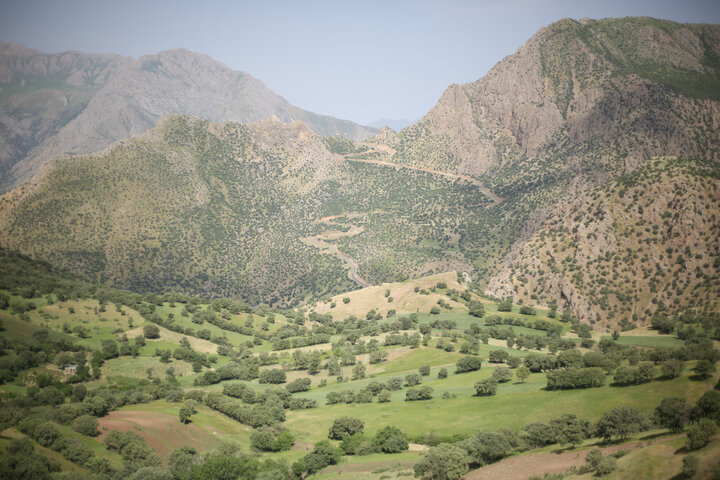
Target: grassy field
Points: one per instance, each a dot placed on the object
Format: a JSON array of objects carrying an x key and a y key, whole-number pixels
[
  {"x": 375, "y": 467},
  {"x": 514, "y": 405},
  {"x": 649, "y": 341},
  {"x": 662, "y": 458},
  {"x": 454, "y": 411},
  {"x": 138, "y": 367}
]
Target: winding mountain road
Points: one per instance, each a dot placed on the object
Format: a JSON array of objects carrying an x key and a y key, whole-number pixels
[
  {"x": 496, "y": 198},
  {"x": 322, "y": 241}
]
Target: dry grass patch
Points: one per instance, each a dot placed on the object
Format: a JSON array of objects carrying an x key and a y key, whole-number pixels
[
  {"x": 197, "y": 344},
  {"x": 405, "y": 299}
]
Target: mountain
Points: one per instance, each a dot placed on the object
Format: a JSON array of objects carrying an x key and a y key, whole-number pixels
[
  {"x": 621, "y": 90},
  {"x": 581, "y": 104},
  {"x": 570, "y": 174},
  {"x": 73, "y": 103},
  {"x": 231, "y": 210}
]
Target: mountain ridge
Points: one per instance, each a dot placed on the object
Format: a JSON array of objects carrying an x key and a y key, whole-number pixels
[{"x": 125, "y": 99}]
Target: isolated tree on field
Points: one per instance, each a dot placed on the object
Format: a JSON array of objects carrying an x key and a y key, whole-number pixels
[
  {"x": 151, "y": 331},
  {"x": 486, "y": 387},
  {"x": 620, "y": 423},
  {"x": 569, "y": 429},
  {"x": 709, "y": 405},
  {"x": 187, "y": 410},
  {"x": 344, "y": 427},
  {"x": 413, "y": 379},
  {"x": 705, "y": 368},
  {"x": 522, "y": 373},
  {"x": 699, "y": 434},
  {"x": 444, "y": 462},
  {"x": 502, "y": 374},
  {"x": 673, "y": 413}
]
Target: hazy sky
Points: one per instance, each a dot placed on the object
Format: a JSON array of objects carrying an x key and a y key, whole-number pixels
[{"x": 361, "y": 60}]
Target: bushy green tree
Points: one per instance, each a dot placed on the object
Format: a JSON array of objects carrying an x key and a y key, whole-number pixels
[
  {"x": 486, "y": 387},
  {"x": 46, "y": 433},
  {"x": 151, "y": 331},
  {"x": 691, "y": 465},
  {"x": 502, "y": 374},
  {"x": 391, "y": 440},
  {"x": 423, "y": 392},
  {"x": 273, "y": 375},
  {"x": 267, "y": 439},
  {"x": 672, "y": 368},
  {"x": 181, "y": 462},
  {"x": 299, "y": 385},
  {"x": 358, "y": 444},
  {"x": 413, "y": 379},
  {"x": 225, "y": 467},
  {"x": 187, "y": 410},
  {"x": 569, "y": 429},
  {"x": 384, "y": 396},
  {"x": 323, "y": 455},
  {"x": 487, "y": 447},
  {"x": 619, "y": 423},
  {"x": 468, "y": 364},
  {"x": 539, "y": 434},
  {"x": 86, "y": 424},
  {"x": 151, "y": 473},
  {"x": 700, "y": 433},
  {"x": 444, "y": 462},
  {"x": 498, "y": 356},
  {"x": 709, "y": 405},
  {"x": 345, "y": 426},
  {"x": 673, "y": 413}
]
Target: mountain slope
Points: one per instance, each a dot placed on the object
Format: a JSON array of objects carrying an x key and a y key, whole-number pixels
[
  {"x": 273, "y": 213},
  {"x": 226, "y": 209},
  {"x": 630, "y": 88},
  {"x": 579, "y": 104},
  {"x": 640, "y": 245},
  {"x": 40, "y": 94},
  {"x": 102, "y": 99}
]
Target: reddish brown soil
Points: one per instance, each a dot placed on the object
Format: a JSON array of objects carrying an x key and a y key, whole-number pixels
[
  {"x": 524, "y": 466},
  {"x": 162, "y": 432}
]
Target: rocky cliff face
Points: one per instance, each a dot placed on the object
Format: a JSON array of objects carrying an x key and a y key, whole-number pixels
[
  {"x": 640, "y": 87},
  {"x": 73, "y": 103},
  {"x": 580, "y": 104},
  {"x": 40, "y": 94}
]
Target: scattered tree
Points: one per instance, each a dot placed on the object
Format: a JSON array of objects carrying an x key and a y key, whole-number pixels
[{"x": 345, "y": 426}]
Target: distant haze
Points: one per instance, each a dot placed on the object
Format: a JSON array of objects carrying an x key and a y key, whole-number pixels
[
  {"x": 395, "y": 124},
  {"x": 355, "y": 60}
]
